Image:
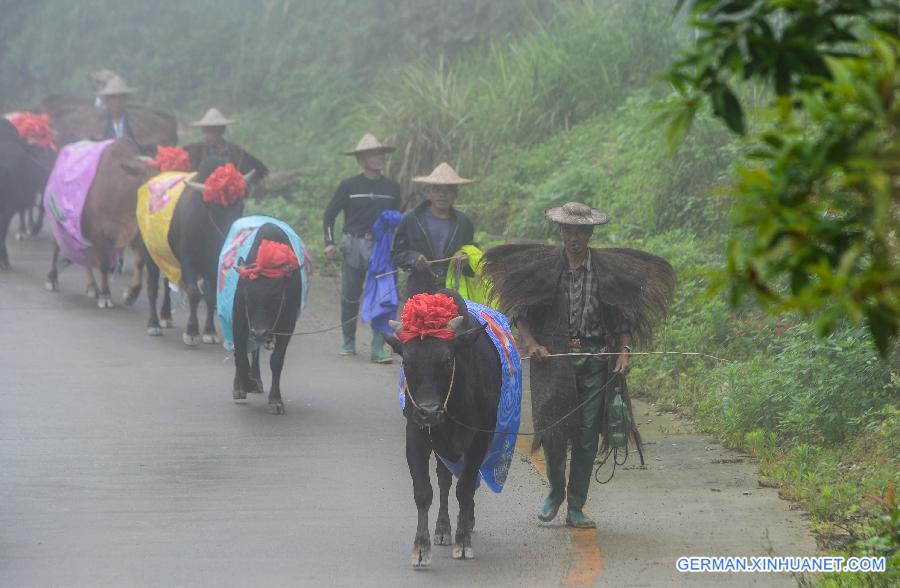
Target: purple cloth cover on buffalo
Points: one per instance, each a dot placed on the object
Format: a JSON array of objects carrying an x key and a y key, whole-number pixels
[{"x": 64, "y": 199}]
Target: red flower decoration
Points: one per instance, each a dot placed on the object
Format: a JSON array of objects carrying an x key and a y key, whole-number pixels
[
  {"x": 427, "y": 315},
  {"x": 34, "y": 128},
  {"x": 273, "y": 260},
  {"x": 225, "y": 186},
  {"x": 171, "y": 159}
]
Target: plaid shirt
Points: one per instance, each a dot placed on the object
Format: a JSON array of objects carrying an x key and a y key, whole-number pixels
[{"x": 585, "y": 309}]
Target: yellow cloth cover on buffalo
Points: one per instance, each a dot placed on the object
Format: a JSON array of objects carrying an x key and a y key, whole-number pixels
[{"x": 156, "y": 205}]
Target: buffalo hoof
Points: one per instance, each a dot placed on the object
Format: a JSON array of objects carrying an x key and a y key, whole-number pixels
[
  {"x": 258, "y": 387},
  {"x": 51, "y": 285},
  {"x": 463, "y": 552},
  {"x": 154, "y": 331},
  {"x": 92, "y": 292},
  {"x": 20, "y": 236},
  {"x": 442, "y": 534},
  {"x": 4, "y": 264},
  {"x": 130, "y": 296},
  {"x": 209, "y": 339},
  {"x": 104, "y": 302},
  {"x": 239, "y": 394},
  {"x": 421, "y": 557},
  {"x": 276, "y": 407},
  {"x": 190, "y": 340},
  {"x": 166, "y": 323}
]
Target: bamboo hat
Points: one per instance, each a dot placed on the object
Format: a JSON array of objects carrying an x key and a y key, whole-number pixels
[
  {"x": 443, "y": 175},
  {"x": 213, "y": 118},
  {"x": 103, "y": 76},
  {"x": 116, "y": 86},
  {"x": 368, "y": 144},
  {"x": 576, "y": 213}
]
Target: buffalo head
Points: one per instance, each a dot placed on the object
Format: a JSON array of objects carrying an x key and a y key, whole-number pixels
[{"x": 431, "y": 370}]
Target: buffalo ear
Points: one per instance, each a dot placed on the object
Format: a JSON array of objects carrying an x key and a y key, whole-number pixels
[
  {"x": 394, "y": 343},
  {"x": 469, "y": 337}
]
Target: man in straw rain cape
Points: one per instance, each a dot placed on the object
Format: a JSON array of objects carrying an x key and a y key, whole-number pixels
[
  {"x": 577, "y": 299},
  {"x": 433, "y": 230},
  {"x": 215, "y": 147},
  {"x": 115, "y": 97},
  {"x": 362, "y": 199}
]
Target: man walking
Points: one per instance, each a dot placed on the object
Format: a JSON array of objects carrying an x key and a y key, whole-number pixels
[
  {"x": 576, "y": 299},
  {"x": 362, "y": 199}
]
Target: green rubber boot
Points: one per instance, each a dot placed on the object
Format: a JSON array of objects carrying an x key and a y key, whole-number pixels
[
  {"x": 548, "y": 510},
  {"x": 379, "y": 355},
  {"x": 576, "y": 518},
  {"x": 349, "y": 347}
]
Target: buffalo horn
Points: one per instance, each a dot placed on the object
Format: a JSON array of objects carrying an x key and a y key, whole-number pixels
[
  {"x": 196, "y": 186},
  {"x": 456, "y": 323},
  {"x": 396, "y": 325}
]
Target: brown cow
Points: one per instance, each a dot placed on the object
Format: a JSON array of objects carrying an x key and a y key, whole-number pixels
[{"x": 108, "y": 221}]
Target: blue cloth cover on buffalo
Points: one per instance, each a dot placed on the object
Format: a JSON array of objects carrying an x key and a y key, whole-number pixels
[
  {"x": 237, "y": 245},
  {"x": 498, "y": 458},
  {"x": 380, "y": 301}
]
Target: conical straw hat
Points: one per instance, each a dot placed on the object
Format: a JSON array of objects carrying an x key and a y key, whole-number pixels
[
  {"x": 576, "y": 213},
  {"x": 116, "y": 87},
  {"x": 103, "y": 76},
  {"x": 443, "y": 175},
  {"x": 213, "y": 118},
  {"x": 369, "y": 143}
]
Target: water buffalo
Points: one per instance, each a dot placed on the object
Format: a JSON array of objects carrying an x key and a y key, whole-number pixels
[
  {"x": 108, "y": 219},
  {"x": 24, "y": 170},
  {"x": 450, "y": 380},
  {"x": 196, "y": 236},
  {"x": 266, "y": 301}
]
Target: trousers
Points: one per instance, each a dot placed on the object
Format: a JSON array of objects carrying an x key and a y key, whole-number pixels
[{"x": 591, "y": 376}]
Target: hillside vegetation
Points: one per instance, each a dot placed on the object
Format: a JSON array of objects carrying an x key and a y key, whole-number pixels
[{"x": 543, "y": 102}]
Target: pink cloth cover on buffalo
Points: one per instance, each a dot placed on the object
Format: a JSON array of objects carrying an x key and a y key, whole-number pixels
[{"x": 64, "y": 199}]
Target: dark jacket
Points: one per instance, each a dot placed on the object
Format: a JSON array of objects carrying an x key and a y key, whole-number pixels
[
  {"x": 109, "y": 132},
  {"x": 362, "y": 200},
  {"x": 412, "y": 240},
  {"x": 230, "y": 153}
]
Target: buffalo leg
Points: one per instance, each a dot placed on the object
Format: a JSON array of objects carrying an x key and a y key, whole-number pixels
[
  {"x": 465, "y": 495},
  {"x": 418, "y": 452},
  {"x": 104, "y": 300},
  {"x": 442, "y": 530},
  {"x": 36, "y": 222},
  {"x": 91, "y": 287},
  {"x": 52, "y": 282},
  {"x": 153, "y": 327},
  {"x": 242, "y": 383},
  {"x": 209, "y": 327},
  {"x": 276, "y": 363},
  {"x": 5, "y": 220},
  {"x": 137, "y": 279},
  {"x": 23, "y": 224},
  {"x": 255, "y": 375},
  {"x": 165, "y": 313},
  {"x": 192, "y": 328}
]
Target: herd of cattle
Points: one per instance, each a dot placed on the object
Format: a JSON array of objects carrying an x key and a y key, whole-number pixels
[{"x": 454, "y": 384}]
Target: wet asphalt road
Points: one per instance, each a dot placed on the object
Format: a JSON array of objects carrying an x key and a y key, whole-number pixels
[{"x": 125, "y": 462}]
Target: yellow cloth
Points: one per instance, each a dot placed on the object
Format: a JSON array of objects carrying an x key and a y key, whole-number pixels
[
  {"x": 156, "y": 205},
  {"x": 475, "y": 288}
]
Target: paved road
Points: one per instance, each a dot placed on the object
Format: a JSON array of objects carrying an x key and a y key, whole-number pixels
[{"x": 124, "y": 461}]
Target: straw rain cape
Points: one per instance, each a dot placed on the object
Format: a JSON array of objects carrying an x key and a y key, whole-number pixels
[{"x": 529, "y": 283}]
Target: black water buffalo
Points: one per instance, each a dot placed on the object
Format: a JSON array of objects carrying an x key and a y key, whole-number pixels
[
  {"x": 196, "y": 236},
  {"x": 265, "y": 311},
  {"x": 24, "y": 170},
  {"x": 448, "y": 382}
]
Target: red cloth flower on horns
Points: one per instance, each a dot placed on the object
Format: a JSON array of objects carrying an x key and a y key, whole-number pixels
[
  {"x": 273, "y": 260},
  {"x": 34, "y": 128},
  {"x": 225, "y": 186},
  {"x": 171, "y": 159},
  {"x": 427, "y": 315}
]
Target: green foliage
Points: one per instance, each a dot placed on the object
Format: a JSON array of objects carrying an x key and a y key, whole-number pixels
[{"x": 815, "y": 210}]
